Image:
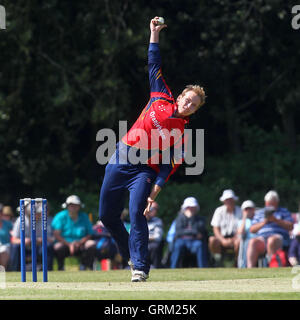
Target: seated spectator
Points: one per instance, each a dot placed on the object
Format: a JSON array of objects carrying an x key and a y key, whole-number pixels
[
  {"x": 170, "y": 240},
  {"x": 5, "y": 228},
  {"x": 294, "y": 250},
  {"x": 225, "y": 224},
  {"x": 106, "y": 247},
  {"x": 14, "y": 264},
  {"x": 248, "y": 209},
  {"x": 271, "y": 225},
  {"x": 126, "y": 220},
  {"x": 190, "y": 234},
  {"x": 155, "y": 245},
  {"x": 73, "y": 232}
]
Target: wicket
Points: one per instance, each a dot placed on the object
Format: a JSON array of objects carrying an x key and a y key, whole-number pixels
[{"x": 44, "y": 220}]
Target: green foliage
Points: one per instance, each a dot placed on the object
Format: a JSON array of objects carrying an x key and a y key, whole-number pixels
[{"x": 88, "y": 194}]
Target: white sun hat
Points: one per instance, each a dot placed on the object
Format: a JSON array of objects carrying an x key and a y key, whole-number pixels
[
  {"x": 228, "y": 194},
  {"x": 73, "y": 199},
  {"x": 247, "y": 204},
  {"x": 190, "y": 202}
]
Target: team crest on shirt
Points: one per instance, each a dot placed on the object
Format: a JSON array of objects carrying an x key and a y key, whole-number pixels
[
  {"x": 162, "y": 108},
  {"x": 148, "y": 180}
]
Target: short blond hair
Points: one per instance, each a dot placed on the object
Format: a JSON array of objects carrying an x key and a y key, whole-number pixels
[{"x": 198, "y": 90}]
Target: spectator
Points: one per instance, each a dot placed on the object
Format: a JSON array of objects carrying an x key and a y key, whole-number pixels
[
  {"x": 8, "y": 214},
  {"x": 15, "y": 240},
  {"x": 171, "y": 234},
  {"x": 190, "y": 234},
  {"x": 73, "y": 232},
  {"x": 106, "y": 247},
  {"x": 294, "y": 250},
  {"x": 5, "y": 228},
  {"x": 248, "y": 209},
  {"x": 225, "y": 224},
  {"x": 170, "y": 240},
  {"x": 155, "y": 245},
  {"x": 272, "y": 225},
  {"x": 126, "y": 220}
]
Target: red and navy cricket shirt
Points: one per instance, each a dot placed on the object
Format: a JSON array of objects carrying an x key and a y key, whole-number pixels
[{"x": 157, "y": 129}]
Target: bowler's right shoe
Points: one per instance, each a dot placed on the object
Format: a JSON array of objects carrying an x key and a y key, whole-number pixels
[{"x": 139, "y": 276}]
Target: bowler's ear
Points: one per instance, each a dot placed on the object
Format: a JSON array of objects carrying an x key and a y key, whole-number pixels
[{"x": 179, "y": 97}]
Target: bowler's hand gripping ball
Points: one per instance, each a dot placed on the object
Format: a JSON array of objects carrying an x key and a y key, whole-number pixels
[{"x": 160, "y": 20}]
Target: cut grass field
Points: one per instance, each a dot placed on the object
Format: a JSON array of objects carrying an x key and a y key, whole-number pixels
[{"x": 163, "y": 284}]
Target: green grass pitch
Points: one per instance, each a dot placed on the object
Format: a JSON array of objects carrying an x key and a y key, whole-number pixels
[{"x": 163, "y": 284}]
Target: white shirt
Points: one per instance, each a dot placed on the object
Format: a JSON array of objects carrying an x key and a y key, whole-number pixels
[
  {"x": 155, "y": 226},
  {"x": 16, "y": 228},
  {"x": 227, "y": 222}
]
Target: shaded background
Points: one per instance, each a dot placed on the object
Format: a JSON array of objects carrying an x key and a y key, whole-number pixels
[{"x": 71, "y": 68}]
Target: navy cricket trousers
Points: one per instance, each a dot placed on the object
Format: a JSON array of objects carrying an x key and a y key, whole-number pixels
[{"x": 137, "y": 179}]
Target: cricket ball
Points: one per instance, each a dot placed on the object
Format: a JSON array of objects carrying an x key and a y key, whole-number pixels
[{"x": 160, "y": 20}]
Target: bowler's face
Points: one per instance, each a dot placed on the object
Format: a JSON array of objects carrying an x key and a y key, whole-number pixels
[{"x": 188, "y": 104}]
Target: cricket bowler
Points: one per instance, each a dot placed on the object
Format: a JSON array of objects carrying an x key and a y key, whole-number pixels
[{"x": 150, "y": 136}]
